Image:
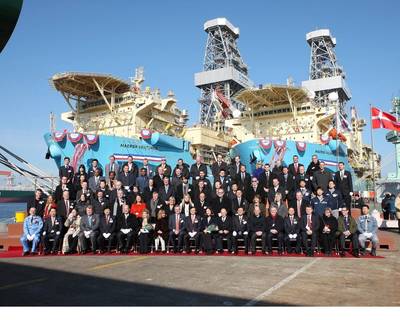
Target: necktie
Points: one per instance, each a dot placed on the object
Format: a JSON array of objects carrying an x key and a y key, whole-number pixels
[
  {"x": 299, "y": 209},
  {"x": 177, "y": 223},
  {"x": 341, "y": 175},
  {"x": 66, "y": 206},
  {"x": 240, "y": 219},
  {"x": 52, "y": 221},
  {"x": 366, "y": 225},
  {"x": 242, "y": 177},
  {"x": 90, "y": 222},
  {"x": 295, "y": 167},
  {"x": 309, "y": 222},
  {"x": 291, "y": 219}
]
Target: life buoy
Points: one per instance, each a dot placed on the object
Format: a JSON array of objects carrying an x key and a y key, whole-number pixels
[
  {"x": 325, "y": 138},
  {"x": 91, "y": 138},
  {"x": 146, "y": 133},
  {"x": 59, "y": 136},
  {"x": 265, "y": 143},
  {"x": 75, "y": 137},
  {"x": 301, "y": 146},
  {"x": 279, "y": 144}
]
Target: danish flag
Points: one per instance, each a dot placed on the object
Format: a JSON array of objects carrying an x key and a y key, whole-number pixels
[{"x": 384, "y": 120}]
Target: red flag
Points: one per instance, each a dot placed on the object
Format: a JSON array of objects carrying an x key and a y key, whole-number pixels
[{"x": 385, "y": 120}]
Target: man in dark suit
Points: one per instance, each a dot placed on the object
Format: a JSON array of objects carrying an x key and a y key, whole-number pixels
[
  {"x": 254, "y": 189},
  {"x": 166, "y": 168},
  {"x": 240, "y": 231},
  {"x": 166, "y": 190},
  {"x": 344, "y": 182},
  {"x": 100, "y": 203},
  {"x": 266, "y": 178},
  {"x": 292, "y": 231},
  {"x": 192, "y": 230},
  {"x": 239, "y": 201},
  {"x": 201, "y": 204},
  {"x": 221, "y": 201},
  {"x": 38, "y": 202},
  {"x": 274, "y": 190},
  {"x": 127, "y": 230},
  {"x": 224, "y": 180},
  {"x": 66, "y": 170},
  {"x": 184, "y": 168},
  {"x": 182, "y": 189},
  {"x": 321, "y": 177},
  {"x": 294, "y": 167},
  {"x": 299, "y": 204},
  {"x": 257, "y": 229},
  {"x": 274, "y": 230},
  {"x": 51, "y": 232},
  {"x": 111, "y": 166},
  {"x": 94, "y": 166},
  {"x": 313, "y": 166},
  {"x": 85, "y": 191},
  {"x": 302, "y": 175},
  {"x": 243, "y": 179},
  {"x": 107, "y": 228},
  {"x": 309, "y": 227},
  {"x": 218, "y": 165},
  {"x": 225, "y": 227},
  {"x": 234, "y": 167},
  {"x": 64, "y": 186},
  {"x": 127, "y": 178},
  {"x": 286, "y": 180},
  {"x": 65, "y": 205},
  {"x": 132, "y": 167},
  {"x": 158, "y": 178},
  {"x": 196, "y": 168},
  {"x": 89, "y": 230},
  {"x": 176, "y": 226}
]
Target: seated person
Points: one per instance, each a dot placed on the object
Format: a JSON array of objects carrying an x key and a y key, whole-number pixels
[
  {"x": 89, "y": 230},
  {"x": 192, "y": 230},
  {"x": 309, "y": 227},
  {"x": 274, "y": 229},
  {"x": 347, "y": 229},
  {"x": 70, "y": 242},
  {"x": 209, "y": 231},
  {"x": 127, "y": 230},
  {"x": 257, "y": 229},
  {"x": 51, "y": 232},
  {"x": 107, "y": 226},
  {"x": 225, "y": 227},
  {"x": 161, "y": 231},
  {"x": 328, "y": 228},
  {"x": 176, "y": 225},
  {"x": 32, "y": 226},
  {"x": 145, "y": 232},
  {"x": 240, "y": 231},
  {"x": 292, "y": 231},
  {"x": 367, "y": 227}
]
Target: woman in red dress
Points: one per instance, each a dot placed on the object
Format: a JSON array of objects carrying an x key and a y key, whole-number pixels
[
  {"x": 138, "y": 207},
  {"x": 50, "y": 203}
]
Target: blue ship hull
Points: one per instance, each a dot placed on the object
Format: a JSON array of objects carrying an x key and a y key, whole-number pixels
[{"x": 81, "y": 150}]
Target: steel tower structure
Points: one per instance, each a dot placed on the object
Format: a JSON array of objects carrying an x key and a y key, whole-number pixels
[
  {"x": 394, "y": 137},
  {"x": 224, "y": 73},
  {"x": 326, "y": 76}
]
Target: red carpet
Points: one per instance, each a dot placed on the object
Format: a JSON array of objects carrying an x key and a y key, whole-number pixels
[{"x": 16, "y": 252}]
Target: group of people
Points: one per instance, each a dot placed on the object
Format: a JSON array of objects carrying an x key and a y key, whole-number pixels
[{"x": 161, "y": 208}]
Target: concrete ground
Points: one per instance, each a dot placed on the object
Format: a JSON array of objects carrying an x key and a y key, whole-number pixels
[{"x": 200, "y": 281}]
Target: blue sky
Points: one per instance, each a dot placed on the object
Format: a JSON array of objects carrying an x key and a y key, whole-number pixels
[{"x": 167, "y": 38}]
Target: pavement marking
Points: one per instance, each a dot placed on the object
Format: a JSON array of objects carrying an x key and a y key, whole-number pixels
[
  {"x": 22, "y": 283},
  {"x": 281, "y": 283},
  {"x": 116, "y": 263}
]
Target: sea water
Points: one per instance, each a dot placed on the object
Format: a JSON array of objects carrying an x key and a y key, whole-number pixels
[{"x": 7, "y": 210}]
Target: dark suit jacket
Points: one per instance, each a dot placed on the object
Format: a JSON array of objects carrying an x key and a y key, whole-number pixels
[
  {"x": 66, "y": 172},
  {"x": 131, "y": 222},
  {"x": 272, "y": 192},
  {"x": 292, "y": 170},
  {"x": 304, "y": 177},
  {"x": 257, "y": 223},
  {"x": 109, "y": 227},
  {"x": 127, "y": 180},
  {"x": 48, "y": 227},
  {"x": 224, "y": 184},
  {"x": 201, "y": 208},
  {"x": 164, "y": 195},
  {"x": 225, "y": 225},
  {"x": 192, "y": 227},
  {"x": 287, "y": 184},
  {"x": 38, "y": 204},
  {"x": 291, "y": 228},
  {"x": 172, "y": 222},
  {"x": 331, "y": 222},
  {"x": 195, "y": 172},
  {"x": 91, "y": 171},
  {"x": 243, "y": 203},
  {"x": 99, "y": 207},
  {"x": 250, "y": 193},
  {"x": 304, "y": 203},
  {"x": 62, "y": 211},
  {"x": 243, "y": 184},
  {"x": 204, "y": 223},
  {"x": 321, "y": 179},
  {"x": 314, "y": 220},
  {"x": 234, "y": 169},
  {"x": 276, "y": 223},
  {"x": 345, "y": 185},
  {"x": 240, "y": 227},
  {"x": 215, "y": 168},
  {"x": 264, "y": 182},
  {"x": 58, "y": 193},
  {"x": 218, "y": 204}
]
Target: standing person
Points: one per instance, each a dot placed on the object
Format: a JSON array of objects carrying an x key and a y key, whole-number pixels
[
  {"x": 294, "y": 167},
  {"x": 358, "y": 201},
  {"x": 299, "y": 204},
  {"x": 161, "y": 231},
  {"x": 147, "y": 167},
  {"x": 328, "y": 228},
  {"x": 38, "y": 202},
  {"x": 50, "y": 203},
  {"x": 71, "y": 237},
  {"x": 344, "y": 183},
  {"x": 335, "y": 199},
  {"x": 197, "y": 167},
  {"x": 347, "y": 229},
  {"x": 112, "y": 166},
  {"x": 292, "y": 231},
  {"x": 127, "y": 178},
  {"x": 145, "y": 233},
  {"x": 367, "y": 227},
  {"x": 166, "y": 168},
  {"x": 107, "y": 226},
  {"x": 319, "y": 203},
  {"x": 51, "y": 232},
  {"x": 234, "y": 167},
  {"x": 321, "y": 177},
  {"x": 143, "y": 180},
  {"x": 309, "y": 227},
  {"x": 218, "y": 165},
  {"x": 313, "y": 166},
  {"x": 94, "y": 166},
  {"x": 32, "y": 226},
  {"x": 66, "y": 170}
]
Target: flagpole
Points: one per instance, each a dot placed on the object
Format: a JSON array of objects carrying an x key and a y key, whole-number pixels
[{"x": 373, "y": 156}]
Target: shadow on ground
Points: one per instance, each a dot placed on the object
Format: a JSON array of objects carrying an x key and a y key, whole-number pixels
[{"x": 33, "y": 286}]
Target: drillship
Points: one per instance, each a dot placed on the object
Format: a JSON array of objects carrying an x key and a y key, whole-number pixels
[{"x": 265, "y": 123}]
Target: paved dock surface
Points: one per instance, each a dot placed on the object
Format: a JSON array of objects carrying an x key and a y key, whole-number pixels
[{"x": 200, "y": 281}]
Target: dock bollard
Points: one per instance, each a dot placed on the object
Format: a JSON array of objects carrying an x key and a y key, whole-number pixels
[{"x": 20, "y": 216}]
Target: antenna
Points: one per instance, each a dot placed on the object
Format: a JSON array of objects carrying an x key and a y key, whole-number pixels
[{"x": 52, "y": 122}]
